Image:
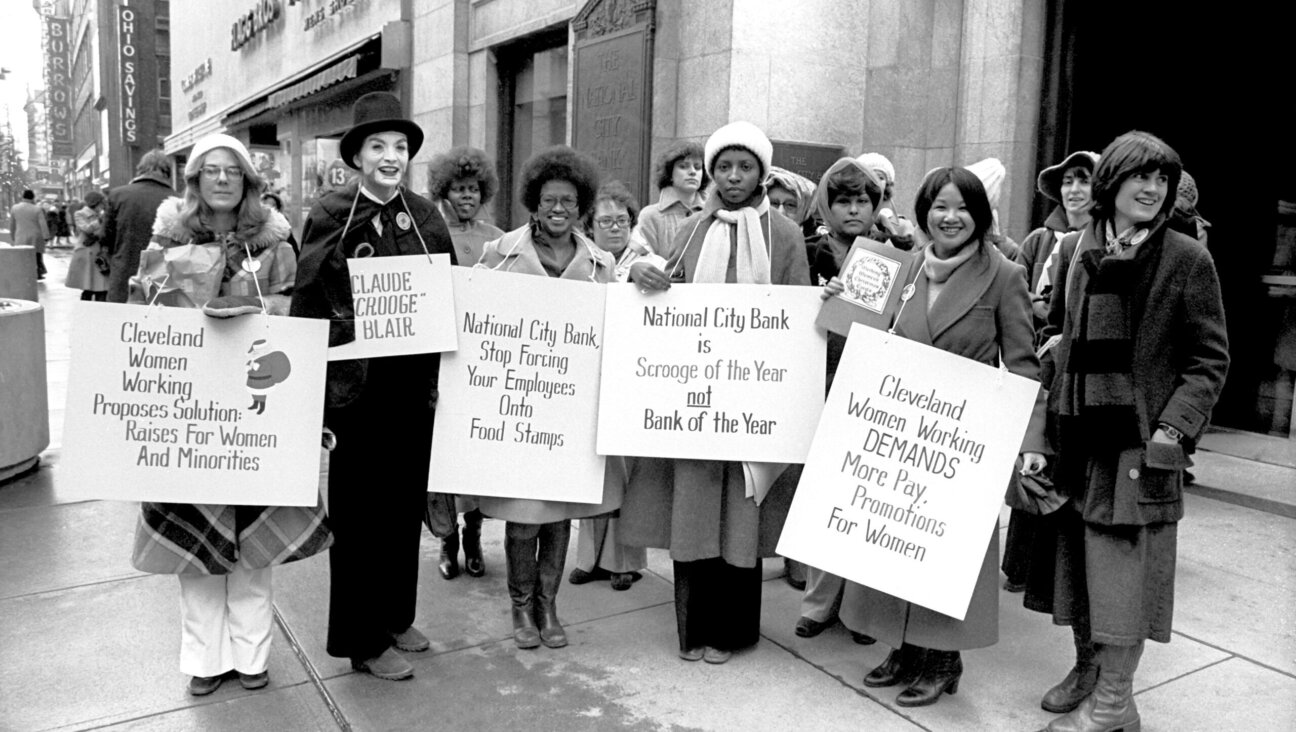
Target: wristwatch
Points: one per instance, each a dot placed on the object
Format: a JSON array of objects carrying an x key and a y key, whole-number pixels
[{"x": 1172, "y": 432}]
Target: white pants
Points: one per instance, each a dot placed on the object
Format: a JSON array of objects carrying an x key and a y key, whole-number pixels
[{"x": 225, "y": 622}]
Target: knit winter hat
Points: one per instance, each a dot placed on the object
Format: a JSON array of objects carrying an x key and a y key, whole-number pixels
[
  {"x": 211, "y": 142},
  {"x": 1186, "y": 196},
  {"x": 992, "y": 174},
  {"x": 739, "y": 134},
  {"x": 1050, "y": 179},
  {"x": 878, "y": 163}
]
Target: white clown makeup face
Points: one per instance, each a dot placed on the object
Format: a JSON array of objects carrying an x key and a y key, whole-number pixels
[{"x": 382, "y": 161}]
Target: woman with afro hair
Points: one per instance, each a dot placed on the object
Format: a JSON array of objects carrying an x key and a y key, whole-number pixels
[
  {"x": 463, "y": 181},
  {"x": 681, "y": 180},
  {"x": 558, "y": 186}
]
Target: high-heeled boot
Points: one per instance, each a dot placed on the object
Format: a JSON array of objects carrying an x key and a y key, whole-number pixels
[
  {"x": 941, "y": 673},
  {"x": 449, "y": 563},
  {"x": 554, "y": 538},
  {"x": 520, "y": 559},
  {"x": 1111, "y": 706},
  {"x": 901, "y": 666},
  {"x": 1080, "y": 680},
  {"x": 473, "y": 564}
]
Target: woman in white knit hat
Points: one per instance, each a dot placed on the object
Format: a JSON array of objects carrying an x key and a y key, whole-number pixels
[
  {"x": 700, "y": 509},
  {"x": 207, "y": 248}
]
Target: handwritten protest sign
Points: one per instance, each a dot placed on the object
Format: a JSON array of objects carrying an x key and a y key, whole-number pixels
[
  {"x": 519, "y": 399},
  {"x": 908, "y": 469},
  {"x": 169, "y": 405},
  {"x": 403, "y": 305},
  {"x": 712, "y": 372}
]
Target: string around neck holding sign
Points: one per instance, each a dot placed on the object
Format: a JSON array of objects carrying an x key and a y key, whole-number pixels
[{"x": 148, "y": 307}]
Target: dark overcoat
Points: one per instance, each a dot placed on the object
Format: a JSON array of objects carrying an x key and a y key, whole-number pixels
[{"x": 127, "y": 228}]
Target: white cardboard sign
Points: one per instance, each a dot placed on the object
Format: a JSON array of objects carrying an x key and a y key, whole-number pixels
[
  {"x": 403, "y": 305},
  {"x": 519, "y": 399},
  {"x": 169, "y": 405},
  {"x": 712, "y": 372},
  {"x": 908, "y": 470}
]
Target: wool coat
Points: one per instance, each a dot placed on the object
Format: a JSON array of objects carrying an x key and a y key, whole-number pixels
[
  {"x": 181, "y": 538},
  {"x": 127, "y": 228},
  {"x": 983, "y": 314},
  {"x": 1034, "y": 254},
  {"x": 82, "y": 272},
  {"x": 1130, "y": 498},
  {"x": 27, "y": 224},
  {"x": 699, "y": 509},
  {"x": 516, "y": 252}
]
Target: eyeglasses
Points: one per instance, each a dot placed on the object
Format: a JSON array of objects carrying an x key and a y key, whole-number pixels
[
  {"x": 606, "y": 222},
  {"x": 568, "y": 202},
  {"x": 213, "y": 172}
]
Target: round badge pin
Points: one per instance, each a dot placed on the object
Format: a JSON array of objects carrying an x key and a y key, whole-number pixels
[
  {"x": 251, "y": 265},
  {"x": 403, "y": 221},
  {"x": 364, "y": 250},
  {"x": 906, "y": 293}
]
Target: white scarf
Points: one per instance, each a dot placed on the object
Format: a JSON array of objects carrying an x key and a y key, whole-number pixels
[
  {"x": 753, "y": 268},
  {"x": 753, "y": 256}
]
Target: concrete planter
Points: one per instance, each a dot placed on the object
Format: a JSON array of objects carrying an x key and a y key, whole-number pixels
[
  {"x": 18, "y": 272},
  {"x": 24, "y": 428}
]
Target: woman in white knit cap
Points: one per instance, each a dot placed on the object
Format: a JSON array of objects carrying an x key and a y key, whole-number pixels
[
  {"x": 992, "y": 173},
  {"x": 700, "y": 509}
]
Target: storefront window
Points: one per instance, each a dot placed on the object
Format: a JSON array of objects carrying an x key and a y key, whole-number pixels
[
  {"x": 535, "y": 105},
  {"x": 322, "y": 170}
]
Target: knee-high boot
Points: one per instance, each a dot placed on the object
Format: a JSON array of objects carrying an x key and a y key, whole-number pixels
[
  {"x": 1080, "y": 680},
  {"x": 520, "y": 555},
  {"x": 473, "y": 564},
  {"x": 1111, "y": 706},
  {"x": 553, "y": 556}
]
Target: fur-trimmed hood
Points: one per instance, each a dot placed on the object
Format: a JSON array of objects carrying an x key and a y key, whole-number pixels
[{"x": 168, "y": 225}]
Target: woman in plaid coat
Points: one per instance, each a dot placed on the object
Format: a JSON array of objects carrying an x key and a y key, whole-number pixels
[{"x": 222, "y": 554}]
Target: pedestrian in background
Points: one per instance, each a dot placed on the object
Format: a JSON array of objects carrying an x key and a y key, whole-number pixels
[
  {"x": 27, "y": 222},
  {"x": 719, "y": 518},
  {"x": 1141, "y": 362},
  {"x": 222, "y": 555},
  {"x": 846, "y": 199},
  {"x": 88, "y": 268},
  {"x": 128, "y": 219},
  {"x": 463, "y": 181},
  {"x": 58, "y": 235},
  {"x": 381, "y": 409},
  {"x": 889, "y": 226},
  {"x": 557, "y": 186},
  {"x": 792, "y": 194},
  {"x": 273, "y": 201},
  {"x": 681, "y": 182},
  {"x": 970, "y": 301},
  {"x": 991, "y": 173},
  {"x": 1069, "y": 184}
]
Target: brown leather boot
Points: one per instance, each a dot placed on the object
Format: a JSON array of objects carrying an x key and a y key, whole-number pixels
[
  {"x": 940, "y": 674},
  {"x": 1079, "y": 682},
  {"x": 902, "y": 666},
  {"x": 520, "y": 558},
  {"x": 1111, "y": 706},
  {"x": 554, "y": 539}
]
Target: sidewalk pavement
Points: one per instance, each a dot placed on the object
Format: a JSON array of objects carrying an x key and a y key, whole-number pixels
[{"x": 87, "y": 642}]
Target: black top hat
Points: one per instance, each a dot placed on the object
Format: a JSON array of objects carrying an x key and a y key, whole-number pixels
[{"x": 378, "y": 112}]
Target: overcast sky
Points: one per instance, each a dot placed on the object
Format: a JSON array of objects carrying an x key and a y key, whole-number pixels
[{"x": 20, "y": 53}]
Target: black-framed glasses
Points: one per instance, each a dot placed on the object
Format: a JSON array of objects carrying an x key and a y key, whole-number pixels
[
  {"x": 213, "y": 172},
  {"x": 606, "y": 222}
]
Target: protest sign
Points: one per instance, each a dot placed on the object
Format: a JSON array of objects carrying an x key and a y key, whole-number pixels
[
  {"x": 403, "y": 305},
  {"x": 519, "y": 399},
  {"x": 169, "y": 405},
  {"x": 712, "y": 372},
  {"x": 908, "y": 470}
]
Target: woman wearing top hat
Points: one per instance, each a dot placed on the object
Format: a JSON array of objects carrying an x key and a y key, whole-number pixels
[{"x": 381, "y": 409}]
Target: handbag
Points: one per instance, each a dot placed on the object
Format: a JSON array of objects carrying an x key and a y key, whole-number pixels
[{"x": 101, "y": 262}]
